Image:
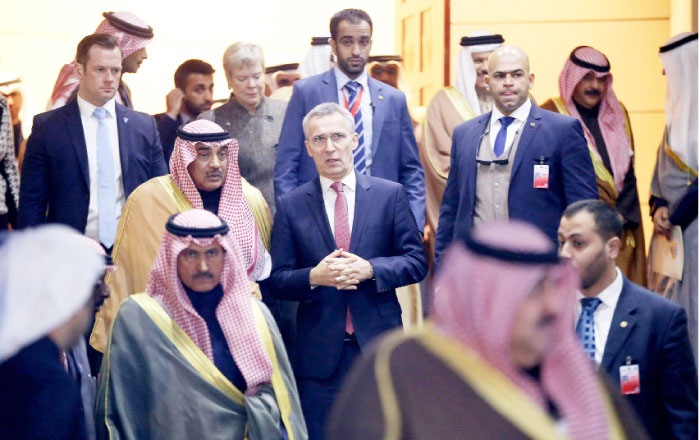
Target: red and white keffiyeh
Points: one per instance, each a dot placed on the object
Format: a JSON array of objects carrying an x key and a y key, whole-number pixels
[
  {"x": 476, "y": 302},
  {"x": 233, "y": 206},
  {"x": 234, "y": 312},
  {"x": 129, "y": 43},
  {"x": 611, "y": 117}
]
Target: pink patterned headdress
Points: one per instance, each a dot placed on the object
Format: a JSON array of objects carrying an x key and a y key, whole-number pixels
[
  {"x": 611, "y": 117},
  {"x": 234, "y": 312},
  {"x": 233, "y": 206},
  {"x": 481, "y": 289}
]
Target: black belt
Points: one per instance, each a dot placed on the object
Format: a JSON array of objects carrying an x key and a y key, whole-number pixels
[{"x": 350, "y": 338}]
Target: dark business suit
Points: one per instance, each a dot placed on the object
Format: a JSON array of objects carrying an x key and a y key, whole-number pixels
[
  {"x": 55, "y": 184},
  {"x": 167, "y": 129},
  {"x": 652, "y": 332},
  {"x": 393, "y": 145},
  {"x": 547, "y": 138},
  {"x": 384, "y": 233}
]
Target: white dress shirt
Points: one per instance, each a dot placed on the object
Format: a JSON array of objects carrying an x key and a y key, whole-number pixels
[
  {"x": 365, "y": 106},
  {"x": 520, "y": 114},
  {"x": 329, "y": 196},
  {"x": 603, "y": 315},
  {"x": 89, "y": 122}
]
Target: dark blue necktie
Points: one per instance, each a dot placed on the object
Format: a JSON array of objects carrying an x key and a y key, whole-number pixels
[
  {"x": 500, "y": 144},
  {"x": 585, "y": 328}
]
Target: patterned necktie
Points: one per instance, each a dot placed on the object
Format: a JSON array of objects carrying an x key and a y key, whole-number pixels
[
  {"x": 106, "y": 189},
  {"x": 500, "y": 144},
  {"x": 354, "y": 90},
  {"x": 342, "y": 234},
  {"x": 584, "y": 327}
]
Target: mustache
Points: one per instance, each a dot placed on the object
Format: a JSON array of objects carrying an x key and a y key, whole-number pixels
[
  {"x": 203, "y": 275},
  {"x": 592, "y": 92}
]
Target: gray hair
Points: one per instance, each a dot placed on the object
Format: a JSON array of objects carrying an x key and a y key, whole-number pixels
[
  {"x": 326, "y": 109},
  {"x": 240, "y": 54}
]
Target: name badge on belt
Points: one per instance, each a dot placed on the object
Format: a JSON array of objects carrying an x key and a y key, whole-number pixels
[
  {"x": 541, "y": 176},
  {"x": 629, "y": 378}
]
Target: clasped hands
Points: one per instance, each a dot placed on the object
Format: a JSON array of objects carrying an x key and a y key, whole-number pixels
[{"x": 342, "y": 270}]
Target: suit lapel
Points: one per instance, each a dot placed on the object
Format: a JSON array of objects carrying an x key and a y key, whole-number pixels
[
  {"x": 621, "y": 327},
  {"x": 314, "y": 201},
  {"x": 329, "y": 93},
  {"x": 362, "y": 208},
  {"x": 532, "y": 124},
  {"x": 75, "y": 128},
  {"x": 378, "y": 112},
  {"x": 124, "y": 141}
]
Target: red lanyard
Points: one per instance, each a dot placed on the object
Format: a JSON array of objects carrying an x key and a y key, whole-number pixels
[{"x": 355, "y": 106}]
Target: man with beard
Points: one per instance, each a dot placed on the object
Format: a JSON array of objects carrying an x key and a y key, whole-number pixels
[
  {"x": 204, "y": 175},
  {"x": 132, "y": 35},
  {"x": 196, "y": 356},
  {"x": 585, "y": 89},
  {"x": 637, "y": 337},
  {"x": 501, "y": 360},
  {"x": 192, "y": 95},
  {"x": 387, "y": 146},
  {"x": 515, "y": 162},
  {"x": 451, "y": 106}
]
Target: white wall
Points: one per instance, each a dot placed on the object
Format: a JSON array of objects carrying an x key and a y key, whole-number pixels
[{"x": 38, "y": 37}]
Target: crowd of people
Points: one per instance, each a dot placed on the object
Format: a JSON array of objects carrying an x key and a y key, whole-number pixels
[{"x": 257, "y": 269}]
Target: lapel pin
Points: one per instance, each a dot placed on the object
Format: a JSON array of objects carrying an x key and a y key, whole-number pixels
[
  {"x": 125, "y": 120},
  {"x": 623, "y": 324},
  {"x": 532, "y": 124},
  {"x": 380, "y": 97}
]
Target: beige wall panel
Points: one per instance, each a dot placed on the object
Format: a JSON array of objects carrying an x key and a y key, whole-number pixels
[
  {"x": 632, "y": 48},
  {"x": 518, "y": 11},
  {"x": 419, "y": 39}
]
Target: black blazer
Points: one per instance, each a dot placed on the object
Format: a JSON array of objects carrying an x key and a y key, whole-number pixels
[
  {"x": 384, "y": 232},
  {"x": 653, "y": 332},
  {"x": 55, "y": 176}
]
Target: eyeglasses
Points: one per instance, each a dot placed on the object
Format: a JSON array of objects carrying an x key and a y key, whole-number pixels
[
  {"x": 497, "y": 162},
  {"x": 321, "y": 140}
]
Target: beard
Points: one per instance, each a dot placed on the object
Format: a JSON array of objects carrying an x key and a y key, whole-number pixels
[
  {"x": 594, "y": 271},
  {"x": 193, "y": 109}
]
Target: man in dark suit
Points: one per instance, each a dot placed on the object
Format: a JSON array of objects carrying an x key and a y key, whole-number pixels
[
  {"x": 192, "y": 95},
  {"x": 516, "y": 162},
  {"x": 637, "y": 337},
  {"x": 85, "y": 158},
  {"x": 344, "y": 281},
  {"x": 387, "y": 146}
]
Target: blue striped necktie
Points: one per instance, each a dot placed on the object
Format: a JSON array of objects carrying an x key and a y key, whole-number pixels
[
  {"x": 106, "y": 188},
  {"x": 585, "y": 328},
  {"x": 354, "y": 88}
]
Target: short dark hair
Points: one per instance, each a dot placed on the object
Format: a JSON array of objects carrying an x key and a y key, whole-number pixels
[
  {"x": 607, "y": 220},
  {"x": 103, "y": 40},
  {"x": 189, "y": 67},
  {"x": 351, "y": 15}
]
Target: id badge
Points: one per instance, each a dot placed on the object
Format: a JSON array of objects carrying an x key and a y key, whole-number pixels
[
  {"x": 541, "y": 177},
  {"x": 629, "y": 379}
]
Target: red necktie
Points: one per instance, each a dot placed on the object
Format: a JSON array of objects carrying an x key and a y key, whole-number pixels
[{"x": 342, "y": 233}]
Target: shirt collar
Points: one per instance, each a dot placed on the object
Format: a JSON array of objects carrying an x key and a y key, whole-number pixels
[
  {"x": 341, "y": 78},
  {"x": 610, "y": 294},
  {"x": 87, "y": 109},
  {"x": 348, "y": 181},
  {"x": 521, "y": 113}
]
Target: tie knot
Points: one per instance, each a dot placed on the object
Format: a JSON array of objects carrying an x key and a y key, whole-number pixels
[
  {"x": 590, "y": 304},
  {"x": 353, "y": 86},
  {"x": 337, "y": 187},
  {"x": 506, "y": 120},
  {"x": 100, "y": 113}
]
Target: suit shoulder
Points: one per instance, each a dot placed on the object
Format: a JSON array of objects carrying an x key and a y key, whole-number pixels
[
  {"x": 309, "y": 83},
  {"x": 472, "y": 124},
  {"x": 136, "y": 114},
  {"x": 298, "y": 192},
  {"x": 556, "y": 118},
  {"x": 383, "y": 184},
  {"x": 650, "y": 300},
  {"x": 50, "y": 116}
]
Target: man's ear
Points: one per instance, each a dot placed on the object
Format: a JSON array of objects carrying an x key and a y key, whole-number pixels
[
  {"x": 79, "y": 70},
  {"x": 612, "y": 247}
]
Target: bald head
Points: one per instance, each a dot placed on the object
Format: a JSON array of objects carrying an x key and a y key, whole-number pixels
[
  {"x": 509, "y": 78},
  {"x": 509, "y": 52}
]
